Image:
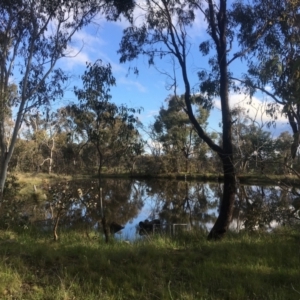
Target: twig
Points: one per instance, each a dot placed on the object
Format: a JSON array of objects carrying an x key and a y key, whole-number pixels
[
  {"x": 295, "y": 289},
  {"x": 170, "y": 290}
]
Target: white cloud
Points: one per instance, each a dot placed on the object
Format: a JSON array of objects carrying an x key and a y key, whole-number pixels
[
  {"x": 147, "y": 118},
  {"x": 152, "y": 113},
  {"x": 84, "y": 47},
  {"x": 268, "y": 88},
  {"x": 89, "y": 38},
  {"x": 254, "y": 107},
  {"x": 153, "y": 147},
  {"x": 132, "y": 84},
  {"x": 75, "y": 57},
  {"x": 79, "y": 56}
]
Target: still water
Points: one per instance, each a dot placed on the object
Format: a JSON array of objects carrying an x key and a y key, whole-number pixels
[{"x": 173, "y": 204}]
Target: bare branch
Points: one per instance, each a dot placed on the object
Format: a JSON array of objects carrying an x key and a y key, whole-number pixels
[{"x": 261, "y": 89}]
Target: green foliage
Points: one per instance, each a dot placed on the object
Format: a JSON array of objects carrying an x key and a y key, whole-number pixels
[
  {"x": 175, "y": 133},
  {"x": 26, "y": 38},
  {"x": 256, "y": 149},
  {"x": 109, "y": 128},
  {"x": 77, "y": 129},
  {"x": 276, "y": 62},
  {"x": 12, "y": 187}
]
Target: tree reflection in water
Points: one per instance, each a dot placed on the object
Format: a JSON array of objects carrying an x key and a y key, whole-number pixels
[{"x": 76, "y": 205}]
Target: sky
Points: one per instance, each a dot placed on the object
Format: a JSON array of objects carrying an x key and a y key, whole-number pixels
[{"x": 101, "y": 39}]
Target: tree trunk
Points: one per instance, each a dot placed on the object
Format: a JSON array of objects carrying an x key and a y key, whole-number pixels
[
  {"x": 106, "y": 230},
  {"x": 132, "y": 166},
  {"x": 3, "y": 173},
  {"x": 51, "y": 157},
  {"x": 7, "y": 150},
  {"x": 244, "y": 165},
  {"x": 227, "y": 201},
  {"x": 186, "y": 164},
  {"x": 102, "y": 213},
  {"x": 219, "y": 35},
  {"x": 216, "y": 16}
]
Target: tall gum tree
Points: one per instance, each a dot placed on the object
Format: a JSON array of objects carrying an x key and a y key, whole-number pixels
[
  {"x": 164, "y": 32},
  {"x": 34, "y": 35},
  {"x": 110, "y": 128},
  {"x": 274, "y": 61}
]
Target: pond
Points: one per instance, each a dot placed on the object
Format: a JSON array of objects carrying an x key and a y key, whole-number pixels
[{"x": 147, "y": 206}]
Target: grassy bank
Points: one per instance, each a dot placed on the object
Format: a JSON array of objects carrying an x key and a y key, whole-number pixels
[
  {"x": 27, "y": 180},
  {"x": 258, "y": 266},
  {"x": 249, "y": 179}
]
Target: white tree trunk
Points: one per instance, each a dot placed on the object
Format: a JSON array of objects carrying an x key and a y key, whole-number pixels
[{"x": 51, "y": 156}]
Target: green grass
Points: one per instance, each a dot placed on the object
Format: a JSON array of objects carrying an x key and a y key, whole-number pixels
[
  {"x": 31, "y": 185},
  {"x": 258, "y": 266}
]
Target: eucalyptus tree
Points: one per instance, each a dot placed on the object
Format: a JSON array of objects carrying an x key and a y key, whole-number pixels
[
  {"x": 175, "y": 131},
  {"x": 274, "y": 62},
  {"x": 164, "y": 33},
  {"x": 283, "y": 150},
  {"x": 34, "y": 36},
  {"x": 262, "y": 148},
  {"x": 254, "y": 146},
  {"x": 133, "y": 153},
  {"x": 110, "y": 128}
]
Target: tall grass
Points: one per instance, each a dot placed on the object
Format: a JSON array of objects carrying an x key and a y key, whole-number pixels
[{"x": 257, "y": 266}]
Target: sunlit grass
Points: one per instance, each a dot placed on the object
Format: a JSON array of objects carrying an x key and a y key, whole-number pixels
[
  {"x": 32, "y": 186},
  {"x": 257, "y": 266}
]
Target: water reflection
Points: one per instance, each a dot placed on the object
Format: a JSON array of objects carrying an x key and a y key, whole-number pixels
[{"x": 135, "y": 207}]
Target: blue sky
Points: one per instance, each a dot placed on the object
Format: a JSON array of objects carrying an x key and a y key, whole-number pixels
[{"x": 148, "y": 89}]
